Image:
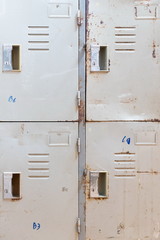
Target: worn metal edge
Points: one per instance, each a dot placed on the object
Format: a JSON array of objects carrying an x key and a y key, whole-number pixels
[{"x": 82, "y": 123}]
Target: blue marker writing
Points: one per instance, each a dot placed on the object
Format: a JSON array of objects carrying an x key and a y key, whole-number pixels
[
  {"x": 36, "y": 226},
  {"x": 127, "y": 140},
  {"x": 123, "y": 140},
  {"x": 11, "y": 99}
]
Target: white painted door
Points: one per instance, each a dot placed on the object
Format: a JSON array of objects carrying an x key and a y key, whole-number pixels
[
  {"x": 127, "y": 204},
  {"x": 123, "y": 56},
  {"x": 38, "y": 60},
  {"x": 38, "y": 181}
]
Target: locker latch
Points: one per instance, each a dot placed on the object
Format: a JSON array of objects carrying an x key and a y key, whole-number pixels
[
  {"x": 99, "y": 184},
  {"x": 11, "y": 58},
  {"x": 11, "y": 185},
  {"x": 99, "y": 59}
]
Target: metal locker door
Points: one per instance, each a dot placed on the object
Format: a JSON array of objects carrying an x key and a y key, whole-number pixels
[
  {"x": 39, "y": 181},
  {"x": 123, "y": 181},
  {"x": 123, "y": 60},
  {"x": 39, "y": 60}
]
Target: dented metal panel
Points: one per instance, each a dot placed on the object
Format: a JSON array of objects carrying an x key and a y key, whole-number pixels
[
  {"x": 38, "y": 181},
  {"x": 39, "y": 60},
  {"x": 129, "y": 152},
  {"x": 130, "y": 89}
]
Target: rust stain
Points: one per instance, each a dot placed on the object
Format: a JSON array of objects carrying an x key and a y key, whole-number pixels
[
  {"x": 149, "y": 172},
  {"x": 152, "y": 120},
  {"x": 82, "y": 111},
  {"x": 154, "y": 49},
  {"x": 120, "y": 228},
  {"x": 15, "y": 200},
  {"x": 154, "y": 53},
  {"x": 123, "y": 121}
]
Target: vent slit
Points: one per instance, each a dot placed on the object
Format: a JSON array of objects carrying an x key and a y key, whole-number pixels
[
  {"x": 129, "y": 50},
  {"x": 125, "y": 161},
  {"x": 119, "y": 168},
  {"x": 124, "y": 154},
  {"x": 38, "y": 161},
  {"x": 38, "y": 169},
  {"x": 38, "y": 26},
  {"x": 128, "y": 43},
  {"x": 125, "y": 176},
  {"x": 38, "y": 49},
  {"x": 38, "y": 154},
  {"x": 38, "y": 177},
  {"x": 125, "y": 35},
  {"x": 38, "y": 34},
  {"x": 38, "y": 41},
  {"x": 125, "y": 27}
]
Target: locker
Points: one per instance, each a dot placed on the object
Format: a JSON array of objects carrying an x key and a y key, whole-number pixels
[
  {"x": 126, "y": 205},
  {"x": 38, "y": 60},
  {"x": 123, "y": 60},
  {"x": 38, "y": 181}
]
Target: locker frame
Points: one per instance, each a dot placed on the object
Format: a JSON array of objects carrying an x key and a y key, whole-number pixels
[{"x": 82, "y": 121}]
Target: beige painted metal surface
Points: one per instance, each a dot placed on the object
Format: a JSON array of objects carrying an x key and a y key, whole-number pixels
[
  {"x": 123, "y": 60},
  {"x": 39, "y": 60},
  {"x": 41, "y": 203},
  {"x": 129, "y": 152}
]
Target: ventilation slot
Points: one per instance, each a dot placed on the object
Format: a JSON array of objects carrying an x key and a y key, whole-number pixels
[
  {"x": 125, "y": 39},
  {"x": 38, "y": 165},
  {"x": 38, "y": 38},
  {"x": 124, "y": 165}
]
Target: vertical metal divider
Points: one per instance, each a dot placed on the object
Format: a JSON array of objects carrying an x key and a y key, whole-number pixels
[{"x": 82, "y": 123}]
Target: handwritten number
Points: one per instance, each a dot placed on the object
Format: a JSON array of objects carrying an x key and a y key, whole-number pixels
[
  {"x": 127, "y": 140},
  {"x": 36, "y": 226},
  {"x": 11, "y": 99}
]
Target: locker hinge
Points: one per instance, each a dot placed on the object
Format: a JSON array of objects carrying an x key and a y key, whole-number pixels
[
  {"x": 79, "y": 98},
  {"x": 79, "y": 18},
  {"x": 85, "y": 172},
  {"x": 79, "y": 145},
  {"x": 78, "y": 225}
]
